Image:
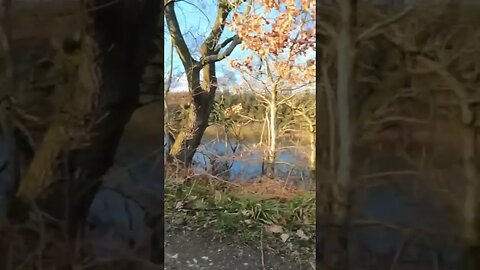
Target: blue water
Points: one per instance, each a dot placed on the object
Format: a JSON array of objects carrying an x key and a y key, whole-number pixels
[{"x": 246, "y": 164}]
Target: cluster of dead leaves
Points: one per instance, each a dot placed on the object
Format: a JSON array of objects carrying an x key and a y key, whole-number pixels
[
  {"x": 277, "y": 229},
  {"x": 284, "y": 30}
]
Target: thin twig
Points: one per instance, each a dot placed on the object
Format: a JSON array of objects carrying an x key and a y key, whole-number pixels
[
  {"x": 399, "y": 251},
  {"x": 383, "y": 174},
  {"x": 374, "y": 29},
  {"x": 261, "y": 249},
  {"x": 102, "y": 6}
]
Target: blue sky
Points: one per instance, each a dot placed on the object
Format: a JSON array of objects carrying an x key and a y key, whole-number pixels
[{"x": 196, "y": 18}]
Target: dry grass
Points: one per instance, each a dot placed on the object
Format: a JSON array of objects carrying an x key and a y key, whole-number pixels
[
  {"x": 177, "y": 99},
  {"x": 267, "y": 189}
]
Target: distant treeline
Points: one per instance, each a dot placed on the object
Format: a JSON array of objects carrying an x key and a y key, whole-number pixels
[{"x": 252, "y": 106}]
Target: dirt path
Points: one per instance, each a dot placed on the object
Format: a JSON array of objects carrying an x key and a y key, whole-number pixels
[{"x": 198, "y": 250}]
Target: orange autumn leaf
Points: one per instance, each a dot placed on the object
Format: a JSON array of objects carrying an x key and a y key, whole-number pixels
[{"x": 284, "y": 29}]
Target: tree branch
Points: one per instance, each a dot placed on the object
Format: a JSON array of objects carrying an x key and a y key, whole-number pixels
[
  {"x": 456, "y": 87},
  {"x": 225, "y": 43},
  {"x": 211, "y": 41},
  {"x": 177, "y": 37},
  {"x": 329, "y": 29},
  {"x": 374, "y": 30},
  {"x": 220, "y": 56}
]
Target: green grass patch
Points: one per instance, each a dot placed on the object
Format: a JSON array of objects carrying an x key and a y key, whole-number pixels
[{"x": 284, "y": 225}]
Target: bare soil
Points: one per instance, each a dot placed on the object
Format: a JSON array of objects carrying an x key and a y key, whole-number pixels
[{"x": 185, "y": 249}]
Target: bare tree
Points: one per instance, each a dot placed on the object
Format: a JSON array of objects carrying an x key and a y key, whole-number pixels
[
  {"x": 203, "y": 93},
  {"x": 337, "y": 194},
  {"x": 305, "y": 112},
  {"x": 441, "y": 54},
  {"x": 450, "y": 61}
]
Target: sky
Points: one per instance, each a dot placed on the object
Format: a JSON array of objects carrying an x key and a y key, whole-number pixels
[{"x": 196, "y": 18}]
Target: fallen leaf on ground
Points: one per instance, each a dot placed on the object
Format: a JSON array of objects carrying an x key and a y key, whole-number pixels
[
  {"x": 302, "y": 234},
  {"x": 179, "y": 204},
  {"x": 274, "y": 228},
  {"x": 284, "y": 237}
]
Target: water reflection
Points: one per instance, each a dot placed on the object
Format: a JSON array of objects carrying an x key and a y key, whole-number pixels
[{"x": 244, "y": 160}]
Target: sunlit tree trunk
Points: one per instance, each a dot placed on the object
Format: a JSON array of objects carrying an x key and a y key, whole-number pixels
[
  {"x": 313, "y": 150},
  {"x": 272, "y": 132},
  {"x": 166, "y": 130}
]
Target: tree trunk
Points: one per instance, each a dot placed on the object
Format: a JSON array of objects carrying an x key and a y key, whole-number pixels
[
  {"x": 79, "y": 146},
  {"x": 335, "y": 255},
  {"x": 272, "y": 132},
  {"x": 166, "y": 130},
  {"x": 313, "y": 150},
  {"x": 189, "y": 138},
  {"x": 336, "y": 240},
  {"x": 330, "y": 100},
  {"x": 471, "y": 207}
]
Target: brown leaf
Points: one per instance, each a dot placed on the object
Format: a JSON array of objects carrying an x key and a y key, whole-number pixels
[
  {"x": 274, "y": 228},
  {"x": 301, "y": 234}
]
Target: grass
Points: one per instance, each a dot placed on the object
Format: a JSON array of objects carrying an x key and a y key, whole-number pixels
[{"x": 283, "y": 220}]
